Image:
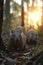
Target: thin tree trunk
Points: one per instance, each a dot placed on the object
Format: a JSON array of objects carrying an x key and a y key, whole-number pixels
[
  {"x": 1, "y": 22},
  {"x": 27, "y": 2},
  {"x": 22, "y": 13},
  {"x": 33, "y": 2},
  {"x": 42, "y": 15},
  {"x": 7, "y": 15}
]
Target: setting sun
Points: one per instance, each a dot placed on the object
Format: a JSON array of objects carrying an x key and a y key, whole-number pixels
[
  {"x": 35, "y": 14},
  {"x": 35, "y": 17}
]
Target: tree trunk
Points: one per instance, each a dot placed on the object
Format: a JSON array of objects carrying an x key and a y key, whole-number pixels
[
  {"x": 42, "y": 18},
  {"x": 33, "y": 2},
  {"x": 7, "y": 15},
  {"x": 26, "y": 24},
  {"x": 1, "y": 21},
  {"x": 22, "y": 24}
]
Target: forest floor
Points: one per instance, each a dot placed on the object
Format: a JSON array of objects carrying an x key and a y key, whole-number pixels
[{"x": 15, "y": 58}]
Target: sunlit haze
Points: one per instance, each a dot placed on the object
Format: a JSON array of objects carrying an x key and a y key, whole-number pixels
[{"x": 35, "y": 14}]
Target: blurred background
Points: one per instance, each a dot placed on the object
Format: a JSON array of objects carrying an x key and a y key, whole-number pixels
[{"x": 26, "y": 13}]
